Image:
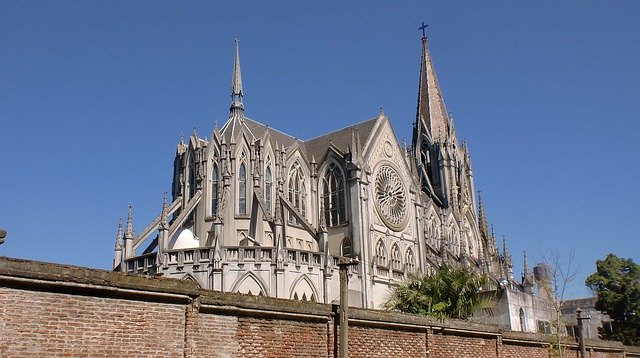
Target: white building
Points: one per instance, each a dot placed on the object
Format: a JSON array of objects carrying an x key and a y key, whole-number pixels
[{"x": 258, "y": 211}]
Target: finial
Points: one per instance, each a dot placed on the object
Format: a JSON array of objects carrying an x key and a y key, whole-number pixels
[
  {"x": 194, "y": 129},
  {"x": 129, "y": 229},
  {"x": 423, "y": 28},
  {"x": 165, "y": 213},
  {"x": 526, "y": 266},
  {"x": 215, "y": 124},
  {"x": 181, "y": 138},
  {"x": 381, "y": 110},
  {"x": 119, "y": 234},
  {"x": 504, "y": 245}
]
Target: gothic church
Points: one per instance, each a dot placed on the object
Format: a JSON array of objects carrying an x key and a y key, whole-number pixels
[{"x": 257, "y": 211}]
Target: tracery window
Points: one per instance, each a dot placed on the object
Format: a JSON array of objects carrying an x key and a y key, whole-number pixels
[
  {"x": 268, "y": 185},
  {"x": 214, "y": 189},
  {"x": 345, "y": 247},
  {"x": 333, "y": 196},
  {"x": 410, "y": 261},
  {"x": 297, "y": 191},
  {"x": 242, "y": 190},
  {"x": 381, "y": 254},
  {"x": 396, "y": 263},
  {"x": 431, "y": 232}
]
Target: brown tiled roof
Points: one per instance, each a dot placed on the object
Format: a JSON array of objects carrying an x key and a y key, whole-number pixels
[{"x": 340, "y": 139}]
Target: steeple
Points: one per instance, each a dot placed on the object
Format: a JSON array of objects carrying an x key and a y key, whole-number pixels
[
  {"x": 431, "y": 117},
  {"x": 237, "y": 107}
]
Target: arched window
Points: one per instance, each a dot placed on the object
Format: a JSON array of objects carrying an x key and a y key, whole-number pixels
[
  {"x": 432, "y": 233},
  {"x": 409, "y": 261},
  {"x": 396, "y": 263},
  {"x": 381, "y": 254},
  {"x": 242, "y": 190},
  {"x": 268, "y": 184},
  {"x": 345, "y": 247},
  {"x": 297, "y": 191},
  {"x": 333, "y": 196},
  {"x": 214, "y": 189}
]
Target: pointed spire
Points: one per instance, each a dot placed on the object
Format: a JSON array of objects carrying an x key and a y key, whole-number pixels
[
  {"x": 164, "y": 224},
  {"x": 431, "y": 114},
  {"x": 482, "y": 217},
  {"x": 119, "y": 241},
  {"x": 525, "y": 264},
  {"x": 505, "y": 253},
  {"x": 128, "y": 233},
  {"x": 237, "y": 107}
]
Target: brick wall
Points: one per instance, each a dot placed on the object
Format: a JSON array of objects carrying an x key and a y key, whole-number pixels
[{"x": 53, "y": 310}]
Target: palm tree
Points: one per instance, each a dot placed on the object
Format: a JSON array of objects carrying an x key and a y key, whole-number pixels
[{"x": 452, "y": 292}]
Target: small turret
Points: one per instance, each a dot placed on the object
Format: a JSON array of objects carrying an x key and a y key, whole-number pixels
[
  {"x": 117, "y": 259},
  {"x": 128, "y": 234},
  {"x": 163, "y": 229}
]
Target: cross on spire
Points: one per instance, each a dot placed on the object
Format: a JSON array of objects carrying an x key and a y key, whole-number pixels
[{"x": 423, "y": 28}]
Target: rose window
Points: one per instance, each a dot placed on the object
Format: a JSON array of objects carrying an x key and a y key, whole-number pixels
[{"x": 390, "y": 197}]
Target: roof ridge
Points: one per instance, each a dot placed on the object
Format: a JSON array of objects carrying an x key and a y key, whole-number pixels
[{"x": 343, "y": 128}]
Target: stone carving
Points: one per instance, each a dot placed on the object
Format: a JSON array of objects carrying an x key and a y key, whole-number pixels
[{"x": 390, "y": 197}]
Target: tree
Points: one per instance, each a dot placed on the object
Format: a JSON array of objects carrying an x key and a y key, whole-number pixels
[
  {"x": 452, "y": 292},
  {"x": 560, "y": 272},
  {"x": 617, "y": 284}
]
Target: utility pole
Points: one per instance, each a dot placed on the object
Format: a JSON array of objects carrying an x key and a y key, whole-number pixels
[
  {"x": 583, "y": 349},
  {"x": 343, "y": 345}
]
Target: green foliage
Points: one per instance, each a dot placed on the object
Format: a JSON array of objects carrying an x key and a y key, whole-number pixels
[
  {"x": 617, "y": 284},
  {"x": 450, "y": 293}
]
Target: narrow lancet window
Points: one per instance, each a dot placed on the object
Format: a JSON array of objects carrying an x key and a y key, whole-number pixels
[
  {"x": 333, "y": 196},
  {"x": 297, "y": 191},
  {"x": 214, "y": 189},
  {"x": 242, "y": 190},
  {"x": 268, "y": 184}
]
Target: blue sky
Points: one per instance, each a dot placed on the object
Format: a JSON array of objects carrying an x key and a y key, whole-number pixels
[{"x": 94, "y": 96}]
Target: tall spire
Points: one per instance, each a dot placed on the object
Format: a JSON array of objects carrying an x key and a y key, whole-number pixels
[
  {"x": 431, "y": 116},
  {"x": 237, "y": 108}
]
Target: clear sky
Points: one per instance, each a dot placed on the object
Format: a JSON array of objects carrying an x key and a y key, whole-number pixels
[{"x": 94, "y": 96}]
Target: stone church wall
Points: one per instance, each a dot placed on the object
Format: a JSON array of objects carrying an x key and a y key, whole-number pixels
[{"x": 55, "y": 310}]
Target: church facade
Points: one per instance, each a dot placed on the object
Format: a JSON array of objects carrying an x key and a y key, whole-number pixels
[{"x": 258, "y": 211}]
